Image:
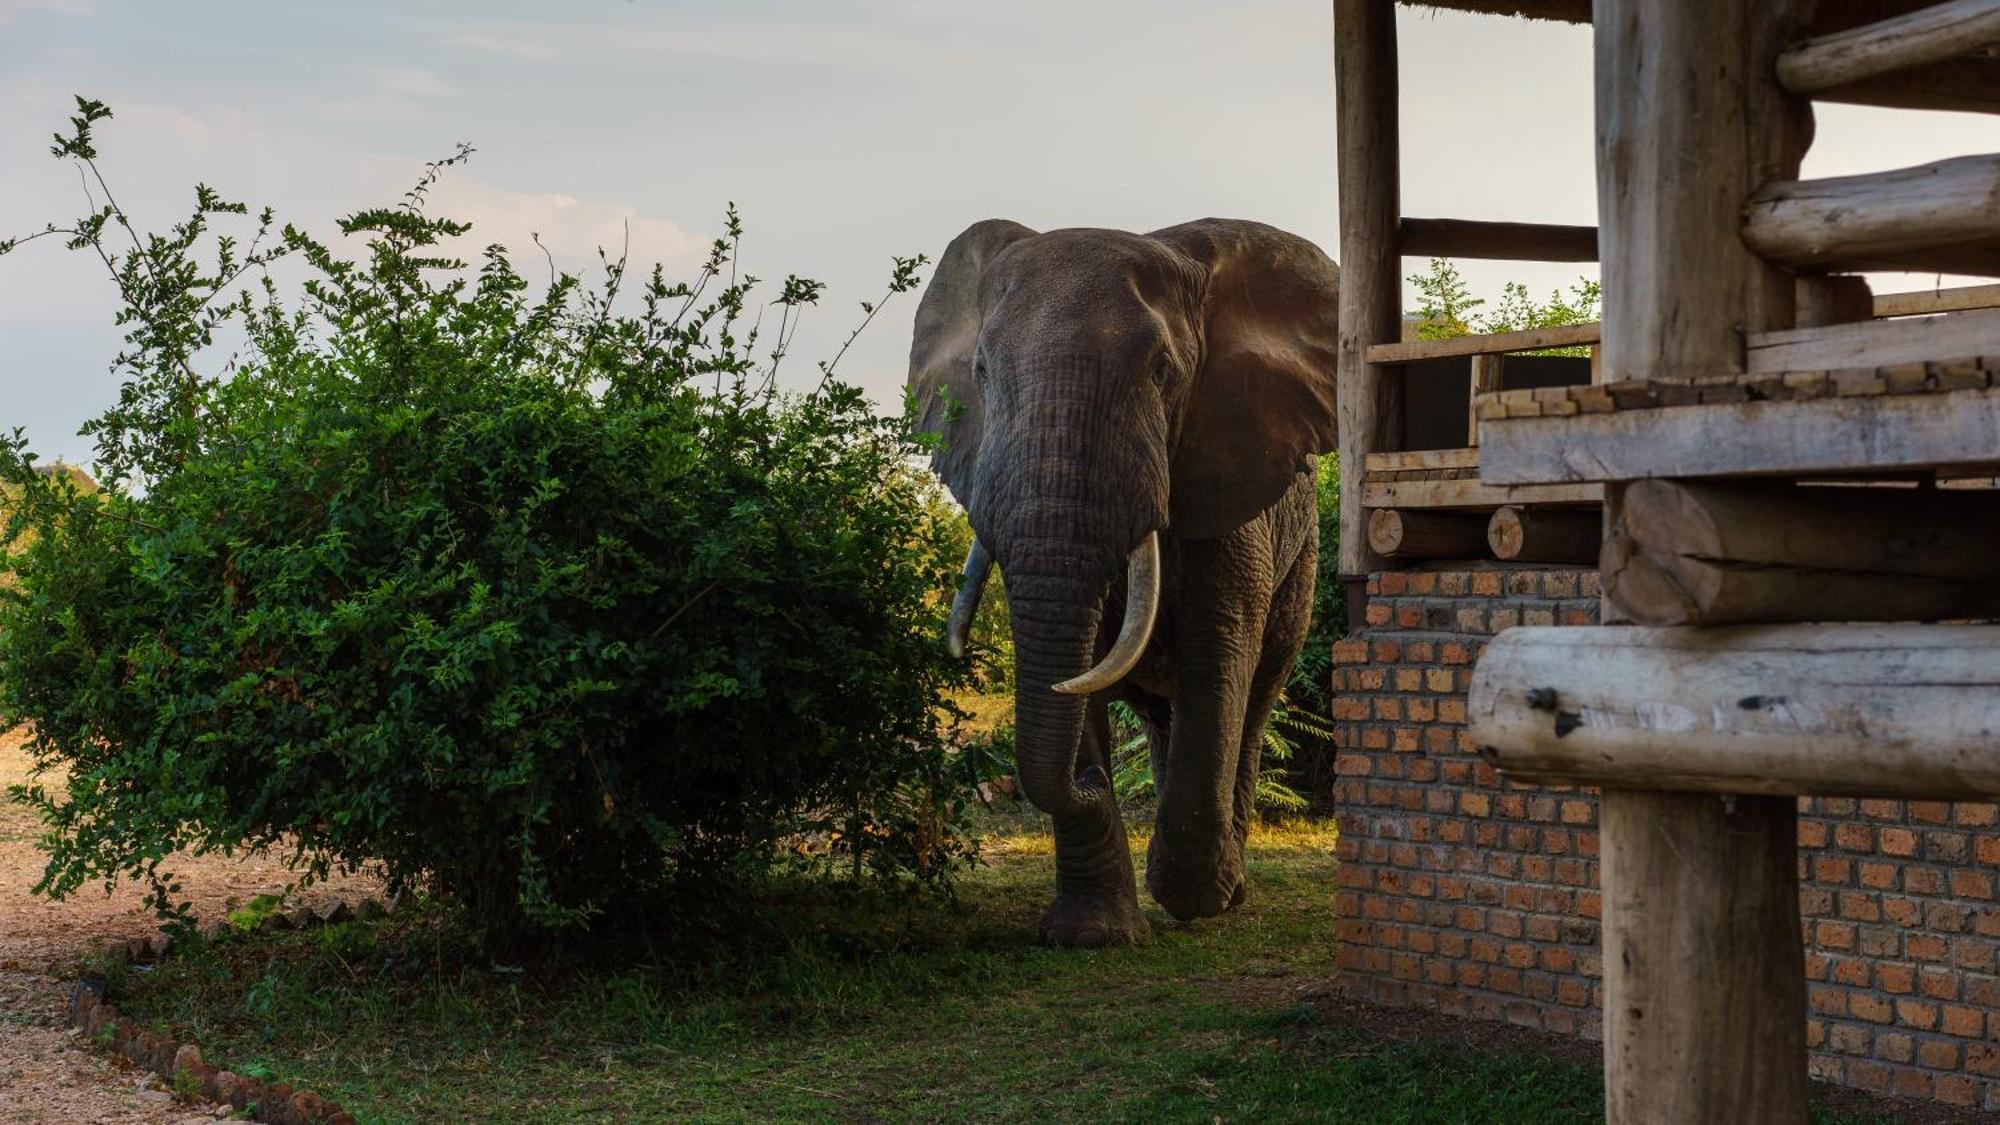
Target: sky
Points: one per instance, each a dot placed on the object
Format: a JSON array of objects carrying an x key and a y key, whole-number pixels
[{"x": 846, "y": 131}]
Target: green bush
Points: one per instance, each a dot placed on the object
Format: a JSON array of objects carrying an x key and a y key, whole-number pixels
[{"x": 545, "y": 605}]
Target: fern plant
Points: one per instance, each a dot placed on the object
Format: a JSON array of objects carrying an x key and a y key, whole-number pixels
[{"x": 1132, "y": 761}]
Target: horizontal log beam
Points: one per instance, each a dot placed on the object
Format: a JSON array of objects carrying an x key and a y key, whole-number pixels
[
  {"x": 1491, "y": 343},
  {"x": 1942, "y": 217},
  {"x": 1969, "y": 85},
  {"x": 1426, "y": 535},
  {"x": 1852, "y": 710},
  {"x": 1824, "y": 436},
  {"x": 1688, "y": 553},
  {"x": 1514, "y": 242},
  {"x": 1901, "y": 43},
  {"x": 1545, "y": 535}
]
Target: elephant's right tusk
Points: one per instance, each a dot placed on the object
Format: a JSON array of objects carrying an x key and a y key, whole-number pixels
[
  {"x": 1142, "y": 606},
  {"x": 965, "y": 604}
]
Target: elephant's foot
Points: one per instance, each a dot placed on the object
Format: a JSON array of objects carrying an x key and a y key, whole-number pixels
[
  {"x": 1189, "y": 898},
  {"x": 1093, "y": 921}
]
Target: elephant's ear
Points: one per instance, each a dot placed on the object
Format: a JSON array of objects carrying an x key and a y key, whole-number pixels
[
  {"x": 943, "y": 399},
  {"x": 1263, "y": 402}
]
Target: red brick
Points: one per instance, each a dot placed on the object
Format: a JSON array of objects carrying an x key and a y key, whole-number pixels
[
  {"x": 1956, "y": 1089},
  {"x": 1880, "y": 876},
  {"x": 1486, "y": 584},
  {"x": 1920, "y": 1014},
  {"x": 1967, "y": 1023},
  {"x": 1898, "y": 841},
  {"x": 1873, "y": 1009},
  {"x": 1938, "y": 1054},
  {"x": 1899, "y": 979}
]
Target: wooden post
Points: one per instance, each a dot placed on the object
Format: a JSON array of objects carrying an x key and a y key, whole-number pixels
[
  {"x": 1486, "y": 376},
  {"x": 1701, "y": 952},
  {"x": 1364, "y": 58},
  {"x": 1704, "y": 973}
]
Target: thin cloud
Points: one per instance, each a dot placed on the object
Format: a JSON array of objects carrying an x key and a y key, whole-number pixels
[
  {"x": 789, "y": 44},
  {"x": 11, "y": 11}
]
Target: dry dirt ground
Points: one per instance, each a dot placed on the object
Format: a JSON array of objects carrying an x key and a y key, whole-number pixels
[{"x": 46, "y": 1075}]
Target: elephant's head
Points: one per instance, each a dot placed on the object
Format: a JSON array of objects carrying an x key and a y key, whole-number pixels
[{"x": 1093, "y": 389}]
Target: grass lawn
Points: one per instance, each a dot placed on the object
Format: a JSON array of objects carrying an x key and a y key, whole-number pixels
[{"x": 809, "y": 1009}]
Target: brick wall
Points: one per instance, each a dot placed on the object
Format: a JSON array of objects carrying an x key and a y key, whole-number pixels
[{"x": 1468, "y": 895}]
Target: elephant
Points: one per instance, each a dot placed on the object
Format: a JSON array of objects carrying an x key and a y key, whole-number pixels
[{"x": 1131, "y": 423}]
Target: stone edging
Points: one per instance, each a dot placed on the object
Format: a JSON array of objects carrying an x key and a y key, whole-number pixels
[{"x": 275, "y": 1102}]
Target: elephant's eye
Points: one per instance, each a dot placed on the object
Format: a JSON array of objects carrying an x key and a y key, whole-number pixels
[
  {"x": 1163, "y": 369},
  {"x": 979, "y": 371}
]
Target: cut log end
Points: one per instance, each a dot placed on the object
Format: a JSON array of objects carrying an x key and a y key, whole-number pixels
[
  {"x": 1399, "y": 534},
  {"x": 1544, "y": 535}
]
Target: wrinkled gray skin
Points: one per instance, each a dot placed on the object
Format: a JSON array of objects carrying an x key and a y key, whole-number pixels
[{"x": 1091, "y": 387}]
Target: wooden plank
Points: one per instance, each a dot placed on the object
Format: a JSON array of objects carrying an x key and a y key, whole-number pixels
[
  {"x": 1426, "y": 534},
  {"x": 1517, "y": 242},
  {"x": 1942, "y": 217},
  {"x": 1492, "y": 343},
  {"x": 1472, "y": 494},
  {"x": 1794, "y": 438},
  {"x": 1694, "y": 553},
  {"x": 1422, "y": 459},
  {"x": 1875, "y": 343},
  {"x": 1371, "y": 285},
  {"x": 1905, "y": 42},
  {"x": 1925, "y": 302},
  {"x": 1862, "y": 710}
]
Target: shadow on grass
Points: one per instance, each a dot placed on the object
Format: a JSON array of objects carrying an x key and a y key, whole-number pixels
[{"x": 799, "y": 1003}]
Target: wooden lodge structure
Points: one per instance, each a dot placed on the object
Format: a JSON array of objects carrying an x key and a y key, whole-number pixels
[{"x": 1780, "y": 474}]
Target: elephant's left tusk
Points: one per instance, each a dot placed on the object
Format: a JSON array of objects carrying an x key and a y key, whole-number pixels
[
  {"x": 1142, "y": 606},
  {"x": 965, "y": 604}
]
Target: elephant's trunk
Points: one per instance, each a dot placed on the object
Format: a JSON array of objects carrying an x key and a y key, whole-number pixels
[{"x": 1055, "y": 619}]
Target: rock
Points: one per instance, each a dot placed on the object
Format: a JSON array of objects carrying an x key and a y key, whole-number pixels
[
  {"x": 156, "y": 1097},
  {"x": 370, "y": 909},
  {"x": 138, "y": 949},
  {"x": 215, "y": 929},
  {"x": 277, "y": 920},
  {"x": 221, "y": 1087},
  {"x": 188, "y": 1057},
  {"x": 302, "y": 917},
  {"x": 307, "y": 1107},
  {"x": 334, "y": 913}
]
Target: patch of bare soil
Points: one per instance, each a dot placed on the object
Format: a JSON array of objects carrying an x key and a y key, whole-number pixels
[{"x": 46, "y": 1074}]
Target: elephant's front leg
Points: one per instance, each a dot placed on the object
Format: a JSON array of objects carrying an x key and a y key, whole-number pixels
[
  {"x": 1194, "y": 866},
  {"x": 1097, "y": 900}
]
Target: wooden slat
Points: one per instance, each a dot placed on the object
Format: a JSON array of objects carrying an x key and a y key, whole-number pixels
[
  {"x": 1471, "y": 494},
  {"x": 1861, "y": 710},
  {"x": 1811, "y": 436},
  {"x": 1927, "y": 35},
  {"x": 1493, "y": 343},
  {"x": 1876, "y": 343},
  {"x": 1421, "y": 459},
  {"x": 1488, "y": 371},
  {"x": 1942, "y": 217},
  {"x": 1515, "y": 242},
  {"x": 1925, "y": 302}
]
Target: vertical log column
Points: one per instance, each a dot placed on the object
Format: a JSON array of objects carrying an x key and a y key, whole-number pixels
[
  {"x": 1371, "y": 395},
  {"x": 1704, "y": 975}
]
